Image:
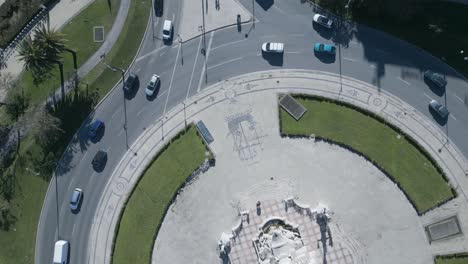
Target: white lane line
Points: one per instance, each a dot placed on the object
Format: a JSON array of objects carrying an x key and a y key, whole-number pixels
[
  {"x": 452, "y": 116},
  {"x": 399, "y": 78},
  {"x": 173, "y": 17},
  {"x": 430, "y": 98},
  {"x": 227, "y": 44},
  {"x": 162, "y": 53},
  {"x": 354, "y": 42},
  {"x": 193, "y": 69},
  {"x": 121, "y": 132},
  {"x": 108, "y": 149},
  {"x": 222, "y": 63},
  {"x": 349, "y": 59},
  {"x": 293, "y": 52},
  {"x": 113, "y": 115},
  {"x": 149, "y": 54},
  {"x": 172, "y": 79},
  {"x": 279, "y": 9},
  {"x": 459, "y": 99},
  {"x": 139, "y": 112},
  {"x": 296, "y": 35},
  {"x": 207, "y": 54},
  {"x": 269, "y": 36},
  {"x": 372, "y": 66},
  {"x": 381, "y": 51}
]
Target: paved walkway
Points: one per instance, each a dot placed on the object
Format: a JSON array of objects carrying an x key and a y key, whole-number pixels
[
  {"x": 266, "y": 85},
  {"x": 224, "y": 15}
]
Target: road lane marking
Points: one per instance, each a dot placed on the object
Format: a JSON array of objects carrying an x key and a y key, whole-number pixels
[
  {"x": 430, "y": 98},
  {"x": 149, "y": 54},
  {"x": 372, "y": 66},
  {"x": 121, "y": 132},
  {"x": 113, "y": 115},
  {"x": 381, "y": 51},
  {"x": 280, "y": 10},
  {"x": 139, "y": 112},
  {"x": 269, "y": 36},
  {"x": 193, "y": 69},
  {"x": 349, "y": 59},
  {"x": 222, "y": 63},
  {"x": 227, "y": 44},
  {"x": 399, "y": 78},
  {"x": 162, "y": 53},
  {"x": 293, "y": 52},
  {"x": 296, "y": 35},
  {"x": 452, "y": 116},
  {"x": 354, "y": 42},
  {"x": 459, "y": 99},
  {"x": 207, "y": 54},
  {"x": 172, "y": 79}
]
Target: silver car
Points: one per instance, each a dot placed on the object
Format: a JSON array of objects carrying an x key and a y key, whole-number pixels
[
  {"x": 323, "y": 20},
  {"x": 439, "y": 108},
  {"x": 75, "y": 199}
]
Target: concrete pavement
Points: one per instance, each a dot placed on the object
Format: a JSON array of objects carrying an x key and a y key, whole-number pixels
[{"x": 229, "y": 97}]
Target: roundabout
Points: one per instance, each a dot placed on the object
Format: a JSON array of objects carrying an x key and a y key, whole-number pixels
[{"x": 372, "y": 219}]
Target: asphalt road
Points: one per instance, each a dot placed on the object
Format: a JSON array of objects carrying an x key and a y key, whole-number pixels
[{"x": 365, "y": 54}]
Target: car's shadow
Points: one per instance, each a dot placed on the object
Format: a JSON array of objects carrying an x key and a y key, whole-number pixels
[
  {"x": 434, "y": 88},
  {"x": 274, "y": 59},
  {"x": 440, "y": 120},
  {"x": 325, "y": 58},
  {"x": 324, "y": 32},
  {"x": 265, "y": 4},
  {"x": 168, "y": 42}
]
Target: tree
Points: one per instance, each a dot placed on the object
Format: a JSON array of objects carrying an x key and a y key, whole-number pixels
[
  {"x": 35, "y": 59},
  {"x": 48, "y": 130}
]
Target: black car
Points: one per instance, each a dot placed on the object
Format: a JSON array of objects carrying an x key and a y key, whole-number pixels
[
  {"x": 130, "y": 83},
  {"x": 99, "y": 160},
  {"x": 436, "y": 78}
]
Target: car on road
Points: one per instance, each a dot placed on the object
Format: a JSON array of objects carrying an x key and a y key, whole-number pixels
[
  {"x": 61, "y": 249},
  {"x": 168, "y": 29},
  {"x": 130, "y": 83},
  {"x": 99, "y": 160},
  {"x": 152, "y": 85},
  {"x": 323, "y": 21},
  {"x": 439, "y": 108},
  {"x": 324, "y": 48},
  {"x": 96, "y": 127},
  {"x": 273, "y": 47},
  {"x": 436, "y": 78},
  {"x": 75, "y": 199}
]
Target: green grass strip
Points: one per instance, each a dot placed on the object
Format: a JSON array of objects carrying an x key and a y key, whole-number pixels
[
  {"x": 393, "y": 152},
  {"x": 153, "y": 194},
  {"x": 458, "y": 258},
  {"x": 79, "y": 35}
]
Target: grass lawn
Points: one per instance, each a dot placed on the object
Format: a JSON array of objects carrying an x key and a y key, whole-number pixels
[
  {"x": 440, "y": 28},
  {"x": 79, "y": 35},
  {"x": 17, "y": 244},
  {"x": 451, "y": 260},
  {"x": 417, "y": 176},
  {"x": 122, "y": 53},
  {"x": 147, "y": 205}
]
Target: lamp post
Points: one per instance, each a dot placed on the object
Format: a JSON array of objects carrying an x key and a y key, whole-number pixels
[
  {"x": 115, "y": 69},
  {"x": 181, "y": 48},
  {"x": 185, "y": 116},
  {"x": 204, "y": 40}
]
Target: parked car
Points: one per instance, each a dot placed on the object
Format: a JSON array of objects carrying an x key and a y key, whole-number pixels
[
  {"x": 168, "y": 29},
  {"x": 75, "y": 199},
  {"x": 323, "y": 21},
  {"x": 439, "y": 108},
  {"x": 130, "y": 83},
  {"x": 325, "y": 48},
  {"x": 99, "y": 160},
  {"x": 436, "y": 78},
  {"x": 96, "y": 127},
  {"x": 152, "y": 85},
  {"x": 61, "y": 249},
  {"x": 273, "y": 47}
]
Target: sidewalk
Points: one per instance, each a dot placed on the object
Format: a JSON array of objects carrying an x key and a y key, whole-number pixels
[
  {"x": 216, "y": 16},
  {"x": 267, "y": 84}
]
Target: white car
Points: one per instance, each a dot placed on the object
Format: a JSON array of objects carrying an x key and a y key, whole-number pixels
[
  {"x": 273, "y": 47},
  {"x": 323, "y": 20},
  {"x": 152, "y": 85},
  {"x": 76, "y": 199},
  {"x": 167, "y": 30}
]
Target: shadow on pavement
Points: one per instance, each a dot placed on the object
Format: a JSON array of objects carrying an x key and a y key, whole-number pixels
[
  {"x": 325, "y": 58},
  {"x": 265, "y": 4},
  {"x": 441, "y": 121},
  {"x": 158, "y": 7},
  {"x": 274, "y": 59},
  {"x": 434, "y": 88},
  {"x": 325, "y": 33}
]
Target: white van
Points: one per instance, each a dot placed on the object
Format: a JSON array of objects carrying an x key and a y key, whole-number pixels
[
  {"x": 61, "y": 252},
  {"x": 167, "y": 30}
]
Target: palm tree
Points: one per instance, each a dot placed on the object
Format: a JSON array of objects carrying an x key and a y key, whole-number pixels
[{"x": 34, "y": 58}]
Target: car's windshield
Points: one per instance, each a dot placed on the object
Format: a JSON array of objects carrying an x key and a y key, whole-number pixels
[
  {"x": 323, "y": 20},
  {"x": 166, "y": 32}
]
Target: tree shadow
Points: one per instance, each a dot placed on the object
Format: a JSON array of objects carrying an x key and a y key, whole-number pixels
[
  {"x": 109, "y": 5},
  {"x": 265, "y": 4}
]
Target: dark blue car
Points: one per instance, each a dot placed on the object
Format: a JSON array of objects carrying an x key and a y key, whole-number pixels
[{"x": 95, "y": 128}]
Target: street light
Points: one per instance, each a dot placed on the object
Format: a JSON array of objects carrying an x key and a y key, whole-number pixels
[
  {"x": 181, "y": 48},
  {"x": 115, "y": 69},
  {"x": 185, "y": 116},
  {"x": 204, "y": 40}
]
